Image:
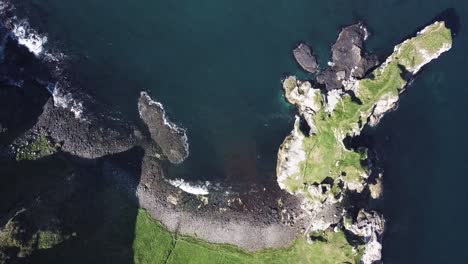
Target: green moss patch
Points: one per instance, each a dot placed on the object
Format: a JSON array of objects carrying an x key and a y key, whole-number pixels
[{"x": 39, "y": 148}]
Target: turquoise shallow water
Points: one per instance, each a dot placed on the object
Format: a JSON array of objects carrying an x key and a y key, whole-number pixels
[{"x": 217, "y": 66}]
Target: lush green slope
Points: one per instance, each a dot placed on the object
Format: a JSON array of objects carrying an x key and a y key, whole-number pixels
[{"x": 338, "y": 116}]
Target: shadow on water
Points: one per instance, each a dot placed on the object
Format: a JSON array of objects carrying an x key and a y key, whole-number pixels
[
  {"x": 74, "y": 198},
  {"x": 20, "y": 106},
  {"x": 98, "y": 213}
]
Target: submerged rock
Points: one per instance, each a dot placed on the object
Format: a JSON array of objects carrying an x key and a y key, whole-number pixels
[
  {"x": 170, "y": 138},
  {"x": 303, "y": 56}
]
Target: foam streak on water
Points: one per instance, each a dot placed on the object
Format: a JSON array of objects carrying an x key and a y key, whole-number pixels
[{"x": 190, "y": 187}]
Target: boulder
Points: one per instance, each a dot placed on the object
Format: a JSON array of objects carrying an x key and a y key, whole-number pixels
[{"x": 305, "y": 58}]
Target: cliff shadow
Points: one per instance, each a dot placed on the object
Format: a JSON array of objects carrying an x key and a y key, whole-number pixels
[
  {"x": 22, "y": 92},
  {"x": 99, "y": 216},
  {"x": 65, "y": 209}
]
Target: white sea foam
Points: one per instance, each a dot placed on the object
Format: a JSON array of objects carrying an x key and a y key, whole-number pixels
[
  {"x": 191, "y": 188},
  {"x": 35, "y": 43},
  {"x": 28, "y": 37},
  {"x": 168, "y": 123},
  {"x": 66, "y": 101}
]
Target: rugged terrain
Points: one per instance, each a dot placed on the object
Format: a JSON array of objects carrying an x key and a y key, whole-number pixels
[
  {"x": 316, "y": 162},
  {"x": 92, "y": 184}
]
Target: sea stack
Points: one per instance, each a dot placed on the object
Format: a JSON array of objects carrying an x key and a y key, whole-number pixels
[{"x": 305, "y": 58}]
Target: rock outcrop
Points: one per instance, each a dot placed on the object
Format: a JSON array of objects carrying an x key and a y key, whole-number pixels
[
  {"x": 170, "y": 138},
  {"x": 370, "y": 226},
  {"x": 349, "y": 59},
  {"x": 305, "y": 58}
]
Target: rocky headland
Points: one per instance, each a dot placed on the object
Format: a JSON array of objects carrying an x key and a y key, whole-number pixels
[
  {"x": 84, "y": 156},
  {"x": 315, "y": 163}
]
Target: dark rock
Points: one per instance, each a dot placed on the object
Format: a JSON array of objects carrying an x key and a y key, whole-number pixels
[
  {"x": 89, "y": 139},
  {"x": 349, "y": 59},
  {"x": 304, "y": 57},
  {"x": 170, "y": 138}
]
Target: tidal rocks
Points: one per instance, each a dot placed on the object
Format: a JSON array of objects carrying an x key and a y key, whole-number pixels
[
  {"x": 305, "y": 58},
  {"x": 349, "y": 59},
  {"x": 170, "y": 138},
  {"x": 92, "y": 139}
]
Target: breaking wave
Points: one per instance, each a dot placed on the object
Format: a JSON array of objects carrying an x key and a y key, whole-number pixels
[
  {"x": 65, "y": 100},
  {"x": 190, "y": 187},
  {"x": 26, "y": 36}
]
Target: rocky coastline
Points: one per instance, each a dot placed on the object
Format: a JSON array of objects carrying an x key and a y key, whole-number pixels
[
  {"x": 96, "y": 150},
  {"x": 314, "y": 161},
  {"x": 93, "y": 146}
]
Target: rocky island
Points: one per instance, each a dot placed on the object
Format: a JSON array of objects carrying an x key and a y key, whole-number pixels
[
  {"x": 95, "y": 187},
  {"x": 314, "y": 161}
]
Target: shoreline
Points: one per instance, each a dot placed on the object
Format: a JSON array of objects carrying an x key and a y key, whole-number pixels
[{"x": 251, "y": 221}]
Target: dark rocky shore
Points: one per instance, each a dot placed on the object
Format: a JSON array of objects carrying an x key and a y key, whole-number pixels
[
  {"x": 101, "y": 150},
  {"x": 97, "y": 151}
]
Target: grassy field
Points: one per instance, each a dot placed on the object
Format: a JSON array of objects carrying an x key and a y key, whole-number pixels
[
  {"x": 326, "y": 155},
  {"x": 154, "y": 244}
]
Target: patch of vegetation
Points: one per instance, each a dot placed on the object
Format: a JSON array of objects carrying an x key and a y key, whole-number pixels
[
  {"x": 49, "y": 239},
  {"x": 125, "y": 234},
  {"x": 152, "y": 243},
  {"x": 13, "y": 236},
  {"x": 326, "y": 155},
  {"x": 10, "y": 238},
  {"x": 41, "y": 147}
]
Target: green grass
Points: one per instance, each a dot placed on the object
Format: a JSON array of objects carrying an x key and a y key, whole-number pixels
[
  {"x": 326, "y": 154},
  {"x": 121, "y": 233},
  {"x": 48, "y": 239},
  {"x": 154, "y": 244},
  {"x": 10, "y": 237},
  {"x": 41, "y": 147}
]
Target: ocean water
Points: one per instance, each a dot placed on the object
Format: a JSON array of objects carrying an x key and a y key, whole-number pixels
[{"x": 217, "y": 66}]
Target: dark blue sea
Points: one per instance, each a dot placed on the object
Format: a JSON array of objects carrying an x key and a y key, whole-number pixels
[{"x": 217, "y": 68}]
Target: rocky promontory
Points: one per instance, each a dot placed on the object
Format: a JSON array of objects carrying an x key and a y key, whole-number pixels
[
  {"x": 349, "y": 59},
  {"x": 314, "y": 161},
  {"x": 171, "y": 138}
]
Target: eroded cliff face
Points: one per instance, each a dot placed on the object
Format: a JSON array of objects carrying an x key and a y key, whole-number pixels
[{"x": 315, "y": 163}]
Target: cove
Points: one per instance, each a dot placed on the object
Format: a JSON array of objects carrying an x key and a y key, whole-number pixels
[{"x": 216, "y": 67}]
